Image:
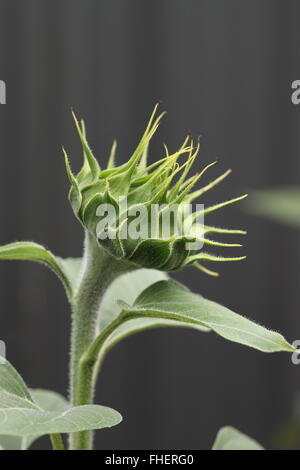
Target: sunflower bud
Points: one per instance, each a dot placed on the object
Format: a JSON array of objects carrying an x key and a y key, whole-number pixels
[{"x": 143, "y": 213}]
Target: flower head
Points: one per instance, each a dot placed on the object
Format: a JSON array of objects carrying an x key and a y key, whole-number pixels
[{"x": 138, "y": 212}]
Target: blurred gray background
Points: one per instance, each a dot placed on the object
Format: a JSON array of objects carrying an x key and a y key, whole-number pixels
[{"x": 223, "y": 69}]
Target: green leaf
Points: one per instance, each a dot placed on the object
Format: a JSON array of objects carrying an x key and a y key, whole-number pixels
[
  {"x": 47, "y": 400},
  {"x": 21, "y": 421},
  {"x": 71, "y": 267},
  {"x": 127, "y": 288},
  {"x": 12, "y": 386},
  {"x": 141, "y": 324},
  {"x": 34, "y": 252},
  {"x": 21, "y": 415},
  {"x": 172, "y": 301},
  {"x": 281, "y": 204},
  {"x": 229, "y": 438}
]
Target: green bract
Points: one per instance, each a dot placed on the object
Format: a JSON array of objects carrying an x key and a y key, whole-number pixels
[{"x": 142, "y": 197}]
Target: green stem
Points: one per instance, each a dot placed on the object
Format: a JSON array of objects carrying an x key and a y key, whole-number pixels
[
  {"x": 91, "y": 355},
  {"x": 99, "y": 270},
  {"x": 57, "y": 442}
]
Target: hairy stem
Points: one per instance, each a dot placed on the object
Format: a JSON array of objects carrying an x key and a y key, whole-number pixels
[
  {"x": 99, "y": 270},
  {"x": 57, "y": 442}
]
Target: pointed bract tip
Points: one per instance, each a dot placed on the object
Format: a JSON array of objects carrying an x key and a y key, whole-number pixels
[
  {"x": 111, "y": 159},
  {"x": 238, "y": 258},
  {"x": 74, "y": 115},
  {"x": 71, "y": 177},
  {"x": 206, "y": 270},
  {"x": 83, "y": 127}
]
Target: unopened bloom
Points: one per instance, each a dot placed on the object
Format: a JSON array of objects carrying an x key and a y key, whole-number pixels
[{"x": 126, "y": 207}]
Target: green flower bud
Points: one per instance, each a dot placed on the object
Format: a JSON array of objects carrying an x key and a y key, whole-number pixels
[{"x": 138, "y": 212}]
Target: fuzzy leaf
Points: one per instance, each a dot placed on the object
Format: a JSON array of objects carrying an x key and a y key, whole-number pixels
[
  {"x": 71, "y": 267},
  {"x": 172, "y": 301},
  {"x": 127, "y": 288},
  {"x": 34, "y": 252},
  {"x": 30, "y": 422},
  {"x": 47, "y": 400},
  {"x": 229, "y": 438},
  {"x": 12, "y": 385},
  {"x": 141, "y": 324},
  {"x": 20, "y": 415}
]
